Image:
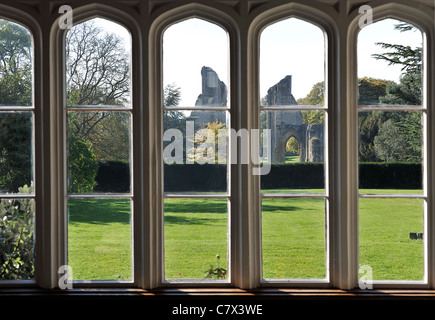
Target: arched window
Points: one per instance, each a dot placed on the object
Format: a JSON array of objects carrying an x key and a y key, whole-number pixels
[
  {"x": 391, "y": 151},
  {"x": 98, "y": 126},
  {"x": 196, "y": 163},
  {"x": 292, "y": 86},
  {"x": 17, "y": 182}
]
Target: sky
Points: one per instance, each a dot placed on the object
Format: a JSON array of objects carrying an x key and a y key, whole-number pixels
[{"x": 287, "y": 47}]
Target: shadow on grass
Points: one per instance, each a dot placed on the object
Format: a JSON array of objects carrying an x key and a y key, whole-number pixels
[
  {"x": 183, "y": 220},
  {"x": 99, "y": 211},
  {"x": 195, "y": 206}
]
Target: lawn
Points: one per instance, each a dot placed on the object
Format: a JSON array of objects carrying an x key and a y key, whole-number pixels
[
  {"x": 196, "y": 230},
  {"x": 99, "y": 239}
]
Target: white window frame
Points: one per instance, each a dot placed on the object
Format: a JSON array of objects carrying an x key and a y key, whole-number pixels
[{"x": 244, "y": 22}]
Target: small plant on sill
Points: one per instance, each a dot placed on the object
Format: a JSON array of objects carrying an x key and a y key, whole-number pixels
[{"x": 217, "y": 272}]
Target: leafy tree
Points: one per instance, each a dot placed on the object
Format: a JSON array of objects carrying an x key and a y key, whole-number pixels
[
  {"x": 408, "y": 91},
  {"x": 107, "y": 133},
  {"x": 15, "y": 90},
  {"x": 315, "y": 97},
  {"x": 206, "y": 141},
  {"x": 389, "y": 143},
  {"x": 369, "y": 123},
  {"x": 82, "y": 167},
  {"x": 15, "y": 150},
  {"x": 370, "y": 89},
  {"x": 404, "y": 127},
  {"x": 292, "y": 145}
]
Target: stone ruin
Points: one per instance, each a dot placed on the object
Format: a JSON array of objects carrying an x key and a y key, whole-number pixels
[{"x": 284, "y": 124}]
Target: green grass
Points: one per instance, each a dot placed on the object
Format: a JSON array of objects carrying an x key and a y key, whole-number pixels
[
  {"x": 99, "y": 239},
  {"x": 196, "y": 230},
  {"x": 293, "y": 238},
  {"x": 385, "y": 244},
  {"x": 292, "y": 159}
]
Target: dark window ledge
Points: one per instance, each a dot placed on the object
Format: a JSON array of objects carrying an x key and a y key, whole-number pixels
[{"x": 216, "y": 293}]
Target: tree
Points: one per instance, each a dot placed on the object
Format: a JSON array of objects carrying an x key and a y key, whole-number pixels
[
  {"x": 292, "y": 145},
  {"x": 97, "y": 67},
  {"x": 172, "y": 119},
  {"x": 370, "y": 90},
  {"x": 98, "y": 73},
  {"x": 389, "y": 143},
  {"x": 15, "y": 150},
  {"x": 408, "y": 91},
  {"x": 206, "y": 143},
  {"x": 82, "y": 167},
  {"x": 403, "y": 130},
  {"x": 316, "y": 97},
  {"x": 15, "y": 90}
]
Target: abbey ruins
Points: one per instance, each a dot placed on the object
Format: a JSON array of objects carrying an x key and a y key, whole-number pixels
[{"x": 284, "y": 124}]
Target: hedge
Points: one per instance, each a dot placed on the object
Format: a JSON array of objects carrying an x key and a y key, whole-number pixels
[
  {"x": 390, "y": 175},
  {"x": 115, "y": 176}
]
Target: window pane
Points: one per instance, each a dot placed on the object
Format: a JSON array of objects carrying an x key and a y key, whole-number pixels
[
  {"x": 98, "y": 64},
  {"x": 293, "y": 233},
  {"x": 16, "y": 151},
  {"x": 15, "y": 65},
  {"x": 297, "y": 151},
  {"x": 100, "y": 239},
  {"x": 99, "y": 152},
  {"x": 391, "y": 232},
  {"x": 195, "y": 151},
  {"x": 195, "y": 64},
  {"x": 292, "y": 64},
  {"x": 17, "y": 239},
  {"x": 390, "y": 152},
  {"x": 390, "y": 64},
  {"x": 196, "y": 231}
]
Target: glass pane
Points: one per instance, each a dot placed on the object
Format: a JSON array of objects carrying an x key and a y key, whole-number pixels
[
  {"x": 17, "y": 239},
  {"x": 391, "y": 232},
  {"x": 16, "y": 71},
  {"x": 195, "y": 151},
  {"x": 16, "y": 151},
  {"x": 195, "y": 64},
  {"x": 296, "y": 152},
  {"x": 293, "y": 237},
  {"x": 98, "y": 64},
  {"x": 99, "y": 152},
  {"x": 390, "y": 152},
  {"x": 292, "y": 64},
  {"x": 196, "y": 239},
  {"x": 390, "y": 64},
  {"x": 100, "y": 239}
]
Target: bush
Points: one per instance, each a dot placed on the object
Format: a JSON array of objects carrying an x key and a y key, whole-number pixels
[
  {"x": 294, "y": 175},
  {"x": 16, "y": 238},
  {"x": 390, "y": 175},
  {"x": 82, "y": 167},
  {"x": 113, "y": 176}
]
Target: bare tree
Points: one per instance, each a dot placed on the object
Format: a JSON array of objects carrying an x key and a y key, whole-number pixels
[{"x": 98, "y": 67}]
